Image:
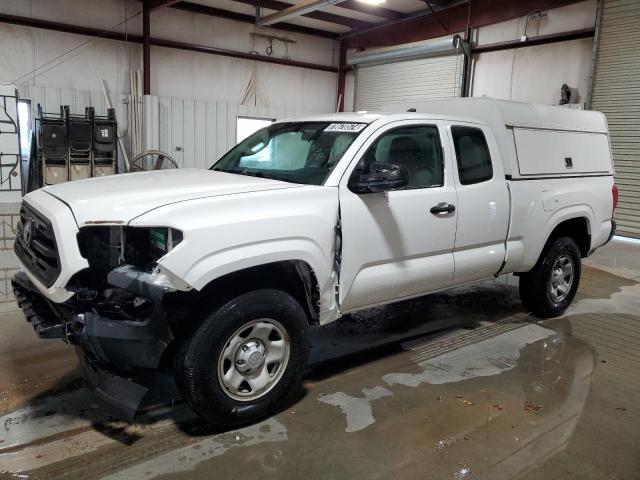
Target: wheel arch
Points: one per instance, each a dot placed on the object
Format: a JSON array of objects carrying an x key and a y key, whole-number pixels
[
  {"x": 576, "y": 228},
  {"x": 294, "y": 276},
  {"x": 575, "y": 223}
]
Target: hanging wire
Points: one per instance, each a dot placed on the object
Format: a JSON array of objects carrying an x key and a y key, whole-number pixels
[
  {"x": 252, "y": 47},
  {"x": 286, "y": 51},
  {"x": 77, "y": 47}
]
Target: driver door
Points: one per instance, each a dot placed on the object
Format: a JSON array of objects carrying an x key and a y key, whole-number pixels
[{"x": 393, "y": 245}]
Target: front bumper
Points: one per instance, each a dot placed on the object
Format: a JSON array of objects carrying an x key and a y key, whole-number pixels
[{"x": 111, "y": 350}]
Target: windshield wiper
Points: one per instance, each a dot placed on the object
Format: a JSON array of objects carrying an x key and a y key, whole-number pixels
[
  {"x": 254, "y": 173},
  {"x": 257, "y": 174}
]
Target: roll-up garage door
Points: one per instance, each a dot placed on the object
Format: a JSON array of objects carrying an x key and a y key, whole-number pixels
[
  {"x": 425, "y": 78},
  {"x": 616, "y": 93}
]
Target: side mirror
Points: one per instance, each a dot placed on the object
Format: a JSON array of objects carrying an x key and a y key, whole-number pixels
[{"x": 379, "y": 177}]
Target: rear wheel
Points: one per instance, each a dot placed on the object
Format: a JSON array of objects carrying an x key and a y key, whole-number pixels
[
  {"x": 246, "y": 359},
  {"x": 549, "y": 288}
]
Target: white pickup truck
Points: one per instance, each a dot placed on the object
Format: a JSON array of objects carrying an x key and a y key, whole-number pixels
[{"x": 217, "y": 275}]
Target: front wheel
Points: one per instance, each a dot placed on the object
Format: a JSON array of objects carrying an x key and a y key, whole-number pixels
[
  {"x": 549, "y": 288},
  {"x": 246, "y": 359}
]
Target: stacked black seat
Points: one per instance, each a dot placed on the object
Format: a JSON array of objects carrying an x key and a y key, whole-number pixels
[
  {"x": 105, "y": 144},
  {"x": 73, "y": 146},
  {"x": 80, "y": 129},
  {"x": 53, "y": 146}
]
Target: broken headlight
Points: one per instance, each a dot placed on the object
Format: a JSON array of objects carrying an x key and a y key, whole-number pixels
[
  {"x": 106, "y": 247},
  {"x": 144, "y": 246}
]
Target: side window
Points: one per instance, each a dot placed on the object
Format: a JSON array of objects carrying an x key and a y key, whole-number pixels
[
  {"x": 416, "y": 147},
  {"x": 472, "y": 153}
]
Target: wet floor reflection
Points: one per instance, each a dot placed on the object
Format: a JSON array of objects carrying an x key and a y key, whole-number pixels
[{"x": 462, "y": 385}]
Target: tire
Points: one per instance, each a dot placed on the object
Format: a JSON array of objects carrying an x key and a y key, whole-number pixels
[
  {"x": 537, "y": 290},
  {"x": 254, "y": 327}
]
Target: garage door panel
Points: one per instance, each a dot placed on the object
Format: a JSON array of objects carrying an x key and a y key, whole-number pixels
[
  {"x": 616, "y": 93},
  {"x": 425, "y": 78}
]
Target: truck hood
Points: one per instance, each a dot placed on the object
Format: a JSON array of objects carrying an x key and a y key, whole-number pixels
[{"x": 121, "y": 198}]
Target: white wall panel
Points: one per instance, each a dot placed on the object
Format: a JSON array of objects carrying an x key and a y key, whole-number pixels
[
  {"x": 68, "y": 61},
  {"x": 536, "y": 74},
  {"x": 196, "y": 133},
  {"x": 200, "y": 131},
  {"x": 562, "y": 19}
]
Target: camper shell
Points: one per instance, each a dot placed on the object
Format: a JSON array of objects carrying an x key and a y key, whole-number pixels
[{"x": 534, "y": 140}]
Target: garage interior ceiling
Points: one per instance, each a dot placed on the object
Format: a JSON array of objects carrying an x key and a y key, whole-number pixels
[{"x": 317, "y": 17}]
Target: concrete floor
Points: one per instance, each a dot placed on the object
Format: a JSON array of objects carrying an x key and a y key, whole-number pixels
[{"x": 493, "y": 394}]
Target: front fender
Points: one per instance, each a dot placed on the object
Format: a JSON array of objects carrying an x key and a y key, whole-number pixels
[
  {"x": 225, "y": 234},
  {"x": 218, "y": 263}
]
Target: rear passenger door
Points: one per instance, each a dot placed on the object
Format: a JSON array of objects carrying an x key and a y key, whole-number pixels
[{"x": 483, "y": 202}]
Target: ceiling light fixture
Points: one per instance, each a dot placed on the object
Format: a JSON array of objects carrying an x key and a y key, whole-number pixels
[{"x": 372, "y": 2}]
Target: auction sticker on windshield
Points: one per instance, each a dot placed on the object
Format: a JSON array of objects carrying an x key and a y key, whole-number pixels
[{"x": 345, "y": 127}]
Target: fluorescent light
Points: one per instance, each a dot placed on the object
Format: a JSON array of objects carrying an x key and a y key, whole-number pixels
[{"x": 373, "y": 2}]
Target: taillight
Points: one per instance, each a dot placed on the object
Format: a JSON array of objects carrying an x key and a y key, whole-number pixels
[{"x": 614, "y": 193}]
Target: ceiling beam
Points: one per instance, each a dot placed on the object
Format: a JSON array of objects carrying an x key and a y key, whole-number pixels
[
  {"x": 279, "y": 5},
  {"x": 242, "y": 17},
  {"x": 354, "y": 5},
  {"x": 158, "y": 42},
  {"x": 153, "y": 4},
  {"x": 533, "y": 41},
  {"x": 480, "y": 13},
  {"x": 306, "y": 7}
]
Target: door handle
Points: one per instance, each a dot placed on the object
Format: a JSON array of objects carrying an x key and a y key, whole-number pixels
[{"x": 442, "y": 207}]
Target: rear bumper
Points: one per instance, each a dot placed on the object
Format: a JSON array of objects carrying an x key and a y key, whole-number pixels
[
  {"x": 111, "y": 350},
  {"x": 613, "y": 231}
]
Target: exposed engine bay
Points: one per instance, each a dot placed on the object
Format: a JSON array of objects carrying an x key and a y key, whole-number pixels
[{"x": 109, "y": 247}]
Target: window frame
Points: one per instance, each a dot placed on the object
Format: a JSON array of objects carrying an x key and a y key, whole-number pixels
[
  {"x": 376, "y": 138},
  {"x": 452, "y": 127}
]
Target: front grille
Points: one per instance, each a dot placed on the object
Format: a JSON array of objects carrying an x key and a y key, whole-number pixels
[{"x": 37, "y": 248}]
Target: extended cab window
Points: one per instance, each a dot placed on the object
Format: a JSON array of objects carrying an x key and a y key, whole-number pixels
[
  {"x": 472, "y": 153},
  {"x": 416, "y": 147}
]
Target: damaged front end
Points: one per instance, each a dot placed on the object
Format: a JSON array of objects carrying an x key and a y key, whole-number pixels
[{"x": 118, "y": 316}]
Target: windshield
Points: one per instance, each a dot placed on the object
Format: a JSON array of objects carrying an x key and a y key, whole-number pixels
[{"x": 299, "y": 152}]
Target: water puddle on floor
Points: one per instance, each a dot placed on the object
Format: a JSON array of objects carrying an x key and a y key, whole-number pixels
[{"x": 471, "y": 387}]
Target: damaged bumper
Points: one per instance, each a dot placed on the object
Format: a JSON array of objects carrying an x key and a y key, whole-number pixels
[{"x": 111, "y": 349}]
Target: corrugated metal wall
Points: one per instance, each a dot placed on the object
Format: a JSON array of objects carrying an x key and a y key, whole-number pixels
[
  {"x": 424, "y": 78},
  {"x": 195, "y": 132},
  {"x": 616, "y": 93}
]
